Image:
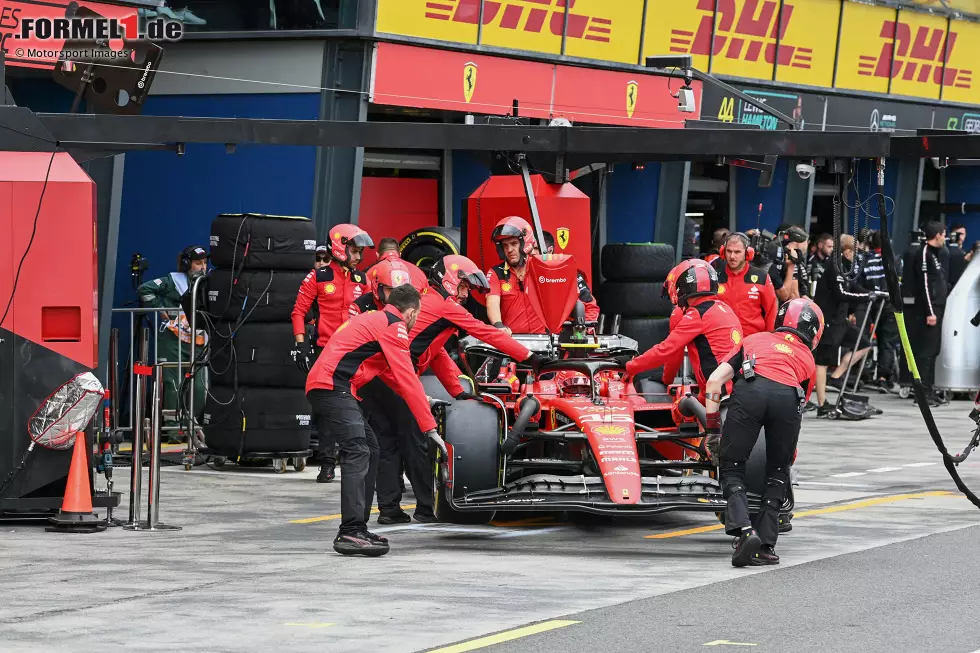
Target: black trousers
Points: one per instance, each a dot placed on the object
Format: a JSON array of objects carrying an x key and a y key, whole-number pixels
[
  {"x": 338, "y": 415},
  {"x": 926, "y": 343},
  {"x": 754, "y": 405},
  {"x": 887, "y": 337},
  {"x": 326, "y": 448},
  {"x": 400, "y": 441}
]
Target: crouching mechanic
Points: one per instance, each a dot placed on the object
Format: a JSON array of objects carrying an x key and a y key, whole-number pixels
[
  {"x": 333, "y": 287},
  {"x": 442, "y": 316},
  {"x": 388, "y": 415},
  {"x": 706, "y": 327},
  {"x": 775, "y": 375},
  {"x": 361, "y": 349}
]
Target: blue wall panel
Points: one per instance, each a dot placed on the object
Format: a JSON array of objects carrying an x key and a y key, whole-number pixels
[
  {"x": 963, "y": 185},
  {"x": 42, "y": 95},
  {"x": 469, "y": 172},
  {"x": 749, "y": 196},
  {"x": 169, "y": 201},
  {"x": 631, "y": 210}
]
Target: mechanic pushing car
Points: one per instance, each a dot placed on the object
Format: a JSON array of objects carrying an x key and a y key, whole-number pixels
[
  {"x": 774, "y": 375},
  {"x": 508, "y": 305},
  {"x": 441, "y": 316},
  {"x": 334, "y": 287},
  {"x": 361, "y": 349},
  {"x": 389, "y": 416},
  {"x": 744, "y": 287},
  {"x": 706, "y": 327},
  {"x": 388, "y": 251}
]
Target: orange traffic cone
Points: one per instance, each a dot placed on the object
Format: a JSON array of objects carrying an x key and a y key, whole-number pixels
[{"x": 76, "y": 510}]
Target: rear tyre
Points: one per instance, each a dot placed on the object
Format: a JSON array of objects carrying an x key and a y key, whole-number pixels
[
  {"x": 637, "y": 261},
  {"x": 633, "y": 299},
  {"x": 647, "y": 331},
  {"x": 472, "y": 429},
  {"x": 425, "y": 246}
]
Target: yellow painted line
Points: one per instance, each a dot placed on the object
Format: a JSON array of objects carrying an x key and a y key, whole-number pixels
[
  {"x": 506, "y": 636},
  {"x": 309, "y": 625},
  {"x": 313, "y": 520},
  {"x": 865, "y": 503},
  {"x": 725, "y": 642}
]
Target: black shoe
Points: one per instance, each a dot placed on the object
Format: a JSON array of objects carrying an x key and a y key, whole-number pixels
[
  {"x": 360, "y": 543},
  {"x": 746, "y": 545},
  {"x": 810, "y": 406},
  {"x": 425, "y": 517},
  {"x": 766, "y": 555},
  {"x": 785, "y": 523},
  {"x": 825, "y": 410},
  {"x": 398, "y": 516},
  {"x": 327, "y": 474}
]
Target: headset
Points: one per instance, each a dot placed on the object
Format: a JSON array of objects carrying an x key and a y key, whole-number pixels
[
  {"x": 749, "y": 250},
  {"x": 184, "y": 260}
]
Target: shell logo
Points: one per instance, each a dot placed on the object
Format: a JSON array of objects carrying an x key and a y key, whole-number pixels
[
  {"x": 786, "y": 349},
  {"x": 505, "y": 287},
  {"x": 721, "y": 290},
  {"x": 736, "y": 336},
  {"x": 329, "y": 289},
  {"x": 454, "y": 266},
  {"x": 607, "y": 429},
  {"x": 336, "y": 235}
]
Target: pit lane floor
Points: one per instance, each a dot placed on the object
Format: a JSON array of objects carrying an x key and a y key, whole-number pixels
[{"x": 880, "y": 559}]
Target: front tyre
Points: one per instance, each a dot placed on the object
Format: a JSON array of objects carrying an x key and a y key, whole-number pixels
[{"x": 472, "y": 431}]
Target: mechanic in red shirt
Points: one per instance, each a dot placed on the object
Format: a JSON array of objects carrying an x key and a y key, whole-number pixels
[
  {"x": 384, "y": 275},
  {"x": 388, "y": 251},
  {"x": 333, "y": 287},
  {"x": 508, "y": 305},
  {"x": 775, "y": 375},
  {"x": 362, "y": 348},
  {"x": 706, "y": 327},
  {"x": 744, "y": 287},
  {"x": 441, "y": 317}
]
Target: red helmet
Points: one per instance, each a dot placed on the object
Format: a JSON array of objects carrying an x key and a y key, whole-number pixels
[
  {"x": 389, "y": 274},
  {"x": 450, "y": 270},
  {"x": 691, "y": 278},
  {"x": 801, "y": 317},
  {"x": 342, "y": 235},
  {"x": 514, "y": 227}
]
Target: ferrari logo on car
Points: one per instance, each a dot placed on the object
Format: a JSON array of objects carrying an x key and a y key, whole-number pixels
[
  {"x": 469, "y": 80},
  {"x": 626, "y": 493},
  {"x": 329, "y": 289},
  {"x": 562, "y": 234},
  {"x": 632, "y": 94}
]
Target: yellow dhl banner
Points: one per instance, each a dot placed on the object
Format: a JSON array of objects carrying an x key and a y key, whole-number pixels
[{"x": 881, "y": 49}]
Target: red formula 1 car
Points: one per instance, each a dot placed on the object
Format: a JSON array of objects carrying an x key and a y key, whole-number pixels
[{"x": 572, "y": 436}]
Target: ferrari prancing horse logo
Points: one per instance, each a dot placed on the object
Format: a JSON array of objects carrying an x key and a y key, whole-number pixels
[
  {"x": 632, "y": 95},
  {"x": 469, "y": 80},
  {"x": 562, "y": 235}
]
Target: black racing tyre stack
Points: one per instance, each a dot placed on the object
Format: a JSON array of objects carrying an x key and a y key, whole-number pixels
[
  {"x": 634, "y": 276},
  {"x": 256, "y": 403}
]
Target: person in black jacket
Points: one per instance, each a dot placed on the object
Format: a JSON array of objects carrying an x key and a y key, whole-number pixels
[
  {"x": 929, "y": 280},
  {"x": 959, "y": 256},
  {"x": 834, "y": 295},
  {"x": 871, "y": 275}
]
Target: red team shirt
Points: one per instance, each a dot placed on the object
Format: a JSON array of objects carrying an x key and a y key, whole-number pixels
[
  {"x": 334, "y": 288},
  {"x": 751, "y": 294},
  {"x": 779, "y": 357},
  {"x": 364, "y": 347}
]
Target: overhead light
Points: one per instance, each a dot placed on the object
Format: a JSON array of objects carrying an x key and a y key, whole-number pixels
[{"x": 694, "y": 215}]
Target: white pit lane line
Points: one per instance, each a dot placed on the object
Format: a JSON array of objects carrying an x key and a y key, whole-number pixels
[{"x": 881, "y": 470}]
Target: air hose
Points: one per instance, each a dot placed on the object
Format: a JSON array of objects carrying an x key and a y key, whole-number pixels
[{"x": 895, "y": 295}]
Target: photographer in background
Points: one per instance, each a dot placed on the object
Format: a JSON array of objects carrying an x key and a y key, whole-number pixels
[
  {"x": 959, "y": 258},
  {"x": 788, "y": 268}
]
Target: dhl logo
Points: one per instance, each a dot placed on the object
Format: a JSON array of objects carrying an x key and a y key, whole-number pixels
[
  {"x": 746, "y": 35},
  {"x": 533, "y": 15},
  {"x": 920, "y": 59}
]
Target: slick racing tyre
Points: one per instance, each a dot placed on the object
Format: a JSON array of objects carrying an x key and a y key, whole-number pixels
[
  {"x": 255, "y": 296},
  {"x": 637, "y": 261},
  {"x": 425, "y": 246},
  {"x": 647, "y": 331},
  {"x": 256, "y": 420},
  {"x": 633, "y": 299},
  {"x": 259, "y": 355},
  {"x": 250, "y": 241},
  {"x": 472, "y": 429}
]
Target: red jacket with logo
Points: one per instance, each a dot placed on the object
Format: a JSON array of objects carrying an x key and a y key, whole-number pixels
[
  {"x": 441, "y": 318},
  {"x": 750, "y": 294},
  {"x": 364, "y": 347},
  {"x": 516, "y": 311},
  {"x": 779, "y": 357},
  {"x": 707, "y": 328},
  {"x": 334, "y": 288}
]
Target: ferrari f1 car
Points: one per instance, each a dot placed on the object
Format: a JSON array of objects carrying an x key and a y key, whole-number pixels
[{"x": 573, "y": 435}]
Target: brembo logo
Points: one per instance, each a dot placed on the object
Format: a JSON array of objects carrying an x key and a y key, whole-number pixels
[
  {"x": 920, "y": 58},
  {"x": 544, "y": 279},
  {"x": 749, "y": 35},
  {"x": 532, "y": 16}
]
